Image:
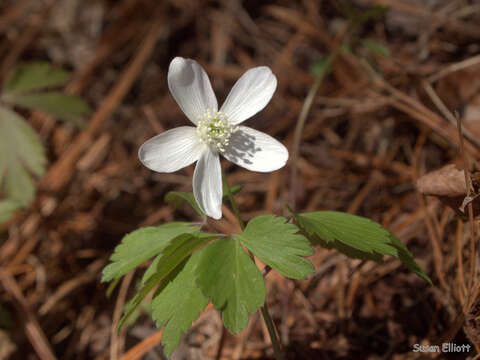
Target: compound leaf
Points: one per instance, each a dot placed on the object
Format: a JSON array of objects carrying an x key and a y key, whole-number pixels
[
  {"x": 278, "y": 244},
  {"x": 227, "y": 275},
  {"x": 356, "y": 237}
]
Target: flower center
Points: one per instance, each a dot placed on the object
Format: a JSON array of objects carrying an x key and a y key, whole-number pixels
[{"x": 215, "y": 130}]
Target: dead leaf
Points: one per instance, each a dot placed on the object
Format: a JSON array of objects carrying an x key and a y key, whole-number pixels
[
  {"x": 447, "y": 181},
  {"x": 448, "y": 185}
]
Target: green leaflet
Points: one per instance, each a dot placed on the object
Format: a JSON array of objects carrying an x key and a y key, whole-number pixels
[
  {"x": 227, "y": 275},
  {"x": 34, "y": 76},
  {"x": 376, "y": 48},
  {"x": 174, "y": 254},
  {"x": 63, "y": 106},
  {"x": 152, "y": 268},
  {"x": 21, "y": 152},
  {"x": 24, "y": 88},
  {"x": 278, "y": 244},
  {"x": 356, "y": 237},
  {"x": 7, "y": 208},
  {"x": 178, "y": 304},
  {"x": 142, "y": 244},
  {"x": 322, "y": 67},
  {"x": 180, "y": 198}
]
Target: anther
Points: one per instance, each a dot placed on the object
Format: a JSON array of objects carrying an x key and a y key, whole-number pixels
[{"x": 215, "y": 130}]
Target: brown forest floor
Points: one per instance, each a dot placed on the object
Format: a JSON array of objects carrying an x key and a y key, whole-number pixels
[{"x": 371, "y": 132}]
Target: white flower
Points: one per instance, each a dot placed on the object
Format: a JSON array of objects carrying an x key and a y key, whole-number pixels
[{"x": 216, "y": 132}]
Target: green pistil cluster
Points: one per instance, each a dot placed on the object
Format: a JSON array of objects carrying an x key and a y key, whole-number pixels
[{"x": 214, "y": 129}]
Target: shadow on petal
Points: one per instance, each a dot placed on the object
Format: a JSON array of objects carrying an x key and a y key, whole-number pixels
[
  {"x": 242, "y": 148},
  {"x": 185, "y": 76}
]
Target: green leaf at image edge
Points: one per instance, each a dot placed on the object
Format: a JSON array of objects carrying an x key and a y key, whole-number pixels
[
  {"x": 21, "y": 153},
  {"x": 356, "y": 237},
  {"x": 7, "y": 209},
  {"x": 278, "y": 244},
  {"x": 173, "y": 255},
  {"x": 62, "y": 106},
  {"x": 34, "y": 76},
  {"x": 227, "y": 275}
]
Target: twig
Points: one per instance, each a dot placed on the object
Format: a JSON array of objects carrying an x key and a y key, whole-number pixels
[
  {"x": 70, "y": 285},
  {"x": 32, "y": 328},
  {"x": 435, "y": 241},
  {"x": 447, "y": 114},
  {"x": 468, "y": 184},
  {"x": 146, "y": 345},
  {"x": 26, "y": 38},
  {"x": 142, "y": 348},
  {"x": 114, "y": 36},
  {"x": 372, "y": 182},
  {"x": 61, "y": 172},
  {"x": 474, "y": 60},
  {"x": 418, "y": 111},
  {"x": 116, "y": 345},
  {"x": 437, "y": 252},
  {"x": 28, "y": 246},
  {"x": 460, "y": 270},
  {"x": 14, "y": 12}
]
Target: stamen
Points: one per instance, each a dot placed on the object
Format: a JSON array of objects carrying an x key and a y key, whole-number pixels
[{"x": 215, "y": 130}]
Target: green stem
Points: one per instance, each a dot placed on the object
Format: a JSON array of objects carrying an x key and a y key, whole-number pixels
[
  {"x": 277, "y": 349},
  {"x": 232, "y": 200}
]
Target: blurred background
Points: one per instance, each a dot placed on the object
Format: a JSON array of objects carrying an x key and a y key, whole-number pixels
[{"x": 378, "y": 81}]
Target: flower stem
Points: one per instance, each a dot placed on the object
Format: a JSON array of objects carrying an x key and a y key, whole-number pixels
[
  {"x": 277, "y": 349},
  {"x": 232, "y": 200}
]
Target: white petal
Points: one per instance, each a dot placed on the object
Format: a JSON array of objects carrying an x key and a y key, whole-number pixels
[
  {"x": 250, "y": 94},
  {"x": 207, "y": 184},
  {"x": 255, "y": 150},
  {"x": 191, "y": 88},
  {"x": 172, "y": 150}
]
